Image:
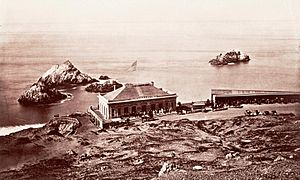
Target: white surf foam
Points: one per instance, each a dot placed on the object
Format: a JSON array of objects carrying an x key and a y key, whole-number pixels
[{"x": 11, "y": 129}]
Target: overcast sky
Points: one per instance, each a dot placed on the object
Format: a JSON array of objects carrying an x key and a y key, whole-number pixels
[{"x": 85, "y": 11}]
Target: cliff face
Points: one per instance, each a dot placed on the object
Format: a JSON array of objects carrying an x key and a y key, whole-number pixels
[
  {"x": 45, "y": 92},
  {"x": 232, "y": 56},
  {"x": 63, "y": 75}
]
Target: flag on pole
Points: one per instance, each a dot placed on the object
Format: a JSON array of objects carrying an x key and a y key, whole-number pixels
[{"x": 132, "y": 67}]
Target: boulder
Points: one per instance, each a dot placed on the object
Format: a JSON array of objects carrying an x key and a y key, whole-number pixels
[
  {"x": 62, "y": 126},
  {"x": 166, "y": 168}
]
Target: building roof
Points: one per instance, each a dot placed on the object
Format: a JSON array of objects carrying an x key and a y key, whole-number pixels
[
  {"x": 198, "y": 103},
  {"x": 138, "y": 91},
  {"x": 228, "y": 92}
]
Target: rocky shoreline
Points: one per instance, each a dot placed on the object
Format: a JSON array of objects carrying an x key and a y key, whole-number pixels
[{"x": 167, "y": 148}]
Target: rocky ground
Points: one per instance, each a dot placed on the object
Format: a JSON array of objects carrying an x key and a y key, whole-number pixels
[{"x": 260, "y": 147}]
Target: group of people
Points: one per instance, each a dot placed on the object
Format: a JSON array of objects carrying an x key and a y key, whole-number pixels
[
  {"x": 256, "y": 113},
  {"x": 148, "y": 115}
]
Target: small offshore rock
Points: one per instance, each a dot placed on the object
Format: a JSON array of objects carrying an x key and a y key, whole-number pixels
[
  {"x": 104, "y": 77},
  {"x": 232, "y": 56},
  {"x": 105, "y": 87}
]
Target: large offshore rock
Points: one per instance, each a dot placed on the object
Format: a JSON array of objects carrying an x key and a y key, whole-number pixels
[
  {"x": 40, "y": 94},
  {"x": 232, "y": 56},
  {"x": 63, "y": 75},
  {"x": 45, "y": 90}
]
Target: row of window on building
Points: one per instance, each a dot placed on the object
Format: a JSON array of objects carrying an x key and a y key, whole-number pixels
[{"x": 143, "y": 109}]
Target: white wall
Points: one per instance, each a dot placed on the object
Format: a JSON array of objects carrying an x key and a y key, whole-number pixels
[{"x": 103, "y": 107}]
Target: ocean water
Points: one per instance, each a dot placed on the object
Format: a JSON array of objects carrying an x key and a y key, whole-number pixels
[{"x": 174, "y": 55}]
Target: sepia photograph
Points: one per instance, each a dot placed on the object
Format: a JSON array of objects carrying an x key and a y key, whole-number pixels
[{"x": 149, "y": 89}]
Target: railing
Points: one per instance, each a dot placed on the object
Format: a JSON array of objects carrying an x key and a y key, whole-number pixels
[{"x": 96, "y": 119}]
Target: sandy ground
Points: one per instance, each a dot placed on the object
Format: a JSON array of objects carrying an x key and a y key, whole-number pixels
[{"x": 213, "y": 145}]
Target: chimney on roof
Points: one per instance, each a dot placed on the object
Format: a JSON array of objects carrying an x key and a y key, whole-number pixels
[
  {"x": 152, "y": 83},
  {"x": 114, "y": 87}
]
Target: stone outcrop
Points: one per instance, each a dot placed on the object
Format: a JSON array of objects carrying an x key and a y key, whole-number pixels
[
  {"x": 105, "y": 87},
  {"x": 232, "y": 56},
  {"x": 45, "y": 90},
  {"x": 62, "y": 126}
]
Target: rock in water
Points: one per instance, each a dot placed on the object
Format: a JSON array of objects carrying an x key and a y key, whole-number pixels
[
  {"x": 105, "y": 87},
  {"x": 232, "y": 56},
  {"x": 64, "y": 75},
  {"x": 104, "y": 77},
  {"x": 40, "y": 94},
  {"x": 45, "y": 92}
]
